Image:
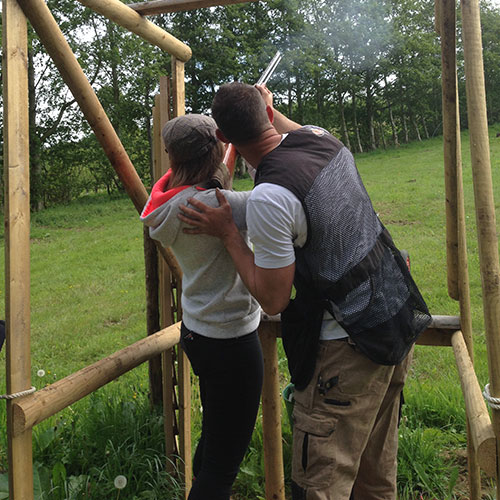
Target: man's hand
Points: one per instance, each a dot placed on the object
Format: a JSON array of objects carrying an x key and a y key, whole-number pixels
[
  {"x": 271, "y": 287},
  {"x": 209, "y": 220},
  {"x": 281, "y": 123},
  {"x": 266, "y": 94}
]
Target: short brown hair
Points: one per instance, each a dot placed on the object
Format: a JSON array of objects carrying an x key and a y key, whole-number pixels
[{"x": 240, "y": 112}]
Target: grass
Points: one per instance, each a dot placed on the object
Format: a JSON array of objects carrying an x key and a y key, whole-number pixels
[{"x": 88, "y": 300}]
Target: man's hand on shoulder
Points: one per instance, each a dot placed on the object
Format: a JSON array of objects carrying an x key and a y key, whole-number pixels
[{"x": 204, "y": 219}]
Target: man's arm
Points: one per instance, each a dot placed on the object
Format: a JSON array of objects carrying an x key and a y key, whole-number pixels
[
  {"x": 281, "y": 123},
  {"x": 271, "y": 287}
]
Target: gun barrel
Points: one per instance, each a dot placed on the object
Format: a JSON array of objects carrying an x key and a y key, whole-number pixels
[{"x": 270, "y": 69}]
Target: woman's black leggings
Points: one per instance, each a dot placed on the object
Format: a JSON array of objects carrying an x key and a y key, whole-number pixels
[{"x": 230, "y": 373}]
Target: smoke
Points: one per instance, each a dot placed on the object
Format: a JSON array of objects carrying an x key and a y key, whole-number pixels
[{"x": 356, "y": 33}]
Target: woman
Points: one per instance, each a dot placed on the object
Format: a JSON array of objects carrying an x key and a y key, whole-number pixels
[{"x": 220, "y": 317}]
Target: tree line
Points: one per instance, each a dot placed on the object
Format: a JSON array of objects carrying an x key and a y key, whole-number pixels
[{"x": 367, "y": 70}]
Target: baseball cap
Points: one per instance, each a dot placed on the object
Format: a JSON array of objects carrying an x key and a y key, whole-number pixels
[{"x": 189, "y": 136}]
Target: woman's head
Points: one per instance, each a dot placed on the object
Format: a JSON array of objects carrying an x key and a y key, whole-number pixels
[{"x": 194, "y": 150}]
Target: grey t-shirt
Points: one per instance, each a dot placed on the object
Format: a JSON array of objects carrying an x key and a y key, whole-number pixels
[{"x": 215, "y": 301}]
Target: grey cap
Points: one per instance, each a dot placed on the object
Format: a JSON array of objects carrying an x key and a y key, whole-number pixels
[{"x": 189, "y": 136}]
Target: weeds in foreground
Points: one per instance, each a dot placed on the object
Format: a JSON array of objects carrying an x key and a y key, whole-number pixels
[{"x": 108, "y": 446}]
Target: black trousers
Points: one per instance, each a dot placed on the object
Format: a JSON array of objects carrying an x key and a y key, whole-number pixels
[{"x": 230, "y": 372}]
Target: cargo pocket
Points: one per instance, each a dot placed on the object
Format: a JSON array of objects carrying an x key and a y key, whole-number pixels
[{"x": 313, "y": 456}]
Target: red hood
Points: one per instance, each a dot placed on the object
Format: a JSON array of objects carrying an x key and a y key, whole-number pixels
[{"x": 159, "y": 196}]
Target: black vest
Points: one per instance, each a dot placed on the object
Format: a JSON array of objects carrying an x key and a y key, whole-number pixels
[{"x": 349, "y": 264}]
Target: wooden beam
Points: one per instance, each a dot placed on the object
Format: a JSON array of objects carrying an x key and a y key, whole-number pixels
[
  {"x": 451, "y": 142},
  {"x": 123, "y": 15},
  {"x": 184, "y": 366},
  {"x": 33, "y": 409},
  {"x": 271, "y": 413},
  {"x": 164, "y": 6},
  {"x": 165, "y": 290},
  {"x": 483, "y": 194},
  {"x": 438, "y": 333},
  {"x": 455, "y": 207},
  {"x": 59, "y": 50},
  {"x": 481, "y": 430},
  {"x": 17, "y": 239}
]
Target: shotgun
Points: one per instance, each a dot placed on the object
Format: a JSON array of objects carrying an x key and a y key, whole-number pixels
[{"x": 230, "y": 154}]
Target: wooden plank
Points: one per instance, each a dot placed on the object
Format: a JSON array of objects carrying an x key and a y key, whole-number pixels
[
  {"x": 178, "y": 88},
  {"x": 165, "y": 291},
  {"x": 33, "y": 409},
  {"x": 123, "y": 15},
  {"x": 271, "y": 413},
  {"x": 184, "y": 367},
  {"x": 483, "y": 194},
  {"x": 164, "y": 6},
  {"x": 152, "y": 315},
  {"x": 17, "y": 240},
  {"x": 151, "y": 258},
  {"x": 482, "y": 435}
]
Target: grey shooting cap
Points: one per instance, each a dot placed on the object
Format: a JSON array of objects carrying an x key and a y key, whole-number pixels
[{"x": 189, "y": 136}]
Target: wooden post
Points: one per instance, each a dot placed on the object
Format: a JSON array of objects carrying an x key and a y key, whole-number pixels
[
  {"x": 123, "y": 15},
  {"x": 152, "y": 315},
  {"x": 165, "y": 292},
  {"x": 58, "y": 49},
  {"x": 456, "y": 241},
  {"x": 184, "y": 368},
  {"x": 452, "y": 153},
  {"x": 271, "y": 413},
  {"x": 483, "y": 194},
  {"x": 17, "y": 239}
]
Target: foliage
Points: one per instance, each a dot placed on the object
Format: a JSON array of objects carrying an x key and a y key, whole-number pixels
[{"x": 368, "y": 70}]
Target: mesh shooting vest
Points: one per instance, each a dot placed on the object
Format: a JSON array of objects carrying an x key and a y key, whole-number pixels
[{"x": 349, "y": 265}]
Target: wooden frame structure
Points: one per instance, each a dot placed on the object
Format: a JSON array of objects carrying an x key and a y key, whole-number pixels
[{"x": 25, "y": 412}]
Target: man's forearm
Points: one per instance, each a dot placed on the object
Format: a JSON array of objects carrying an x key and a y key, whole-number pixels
[
  {"x": 270, "y": 287},
  {"x": 282, "y": 124},
  {"x": 243, "y": 259}
]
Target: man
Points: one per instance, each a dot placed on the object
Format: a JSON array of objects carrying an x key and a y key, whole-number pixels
[{"x": 357, "y": 312}]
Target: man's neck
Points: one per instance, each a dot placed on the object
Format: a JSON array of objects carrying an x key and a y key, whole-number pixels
[{"x": 254, "y": 151}]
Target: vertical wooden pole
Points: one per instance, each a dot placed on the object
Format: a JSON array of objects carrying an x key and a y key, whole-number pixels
[
  {"x": 271, "y": 414},
  {"x": 184, "y": 368},
  {"x": 483, "y": 194},
  {"x": 17, "y": 238},
  {"x": 447, "y": 26},
  {"x": 166, "y": 313},
  {"x": 152, "y": 315},
  {"x": 456, "y": 242}
]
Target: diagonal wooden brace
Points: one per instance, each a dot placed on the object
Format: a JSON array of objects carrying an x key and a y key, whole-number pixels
[{"x": 59, "y": 50}]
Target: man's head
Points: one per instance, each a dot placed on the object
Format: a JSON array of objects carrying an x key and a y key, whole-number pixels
[
  {"x": 240, "y": 112},
  {"x": 194, "y": 150}
]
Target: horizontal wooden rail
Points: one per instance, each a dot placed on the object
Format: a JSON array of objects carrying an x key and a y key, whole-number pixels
[
  {"x": 438, "y": 333},
  {"x": 481, "y": 430},
  {"x": 123, "y": 15},
  {"x": 164, "y": 6},
  {"x": 33, "y": 409}
]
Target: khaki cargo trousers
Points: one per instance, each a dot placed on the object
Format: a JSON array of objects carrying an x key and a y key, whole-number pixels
[{"x": 345, "y": 434}]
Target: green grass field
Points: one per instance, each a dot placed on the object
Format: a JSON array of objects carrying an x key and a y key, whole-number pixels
[{"x": 88, "y": 300}]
